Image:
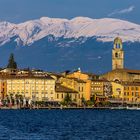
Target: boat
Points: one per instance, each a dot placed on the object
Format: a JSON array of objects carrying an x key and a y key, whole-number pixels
[
  {"x": 119, "y": 107},
  {"x": 133, "y": 108}
]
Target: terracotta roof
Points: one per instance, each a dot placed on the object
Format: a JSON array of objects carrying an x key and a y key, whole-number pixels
[
  {"x": 61, "y": 88},
  {"x": 7, "y": 76},
  {"x": 57, "y": 75},
  {"x": 125, "y": 70},
  {"x": 100, "y": 80},
  {"x": 75, "y": 79},
  {"x": 129, "y": 83},
  {"x": 79, "y": 80},
  {"x": 130, "y": 71}
]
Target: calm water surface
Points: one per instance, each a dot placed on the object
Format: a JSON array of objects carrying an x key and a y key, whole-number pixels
[{"x": 69, "y": 125}]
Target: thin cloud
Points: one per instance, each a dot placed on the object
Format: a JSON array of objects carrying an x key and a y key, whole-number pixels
[{"x": 123, "y": 11}]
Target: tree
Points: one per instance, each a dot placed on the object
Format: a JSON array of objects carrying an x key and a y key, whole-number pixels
[
  {"x": 67, "y": 100},
  {"x": 83, "y": 101},
  {"x": 92, "y": 99},
  {"x": 11, "y": 62}
]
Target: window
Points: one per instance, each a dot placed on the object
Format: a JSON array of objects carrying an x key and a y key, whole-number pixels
[
  {"x": 79, "y": 88},
  {"x": 137, "y": 94},
  {"x": 57, "y": 96},
  {"x": 116, "y": 55},
  {"x": 132, "y": 88},
  {"x": 118, "y": 46},
  {"x": 82, "y": 88},
  {"x": 62, "y": 96}
]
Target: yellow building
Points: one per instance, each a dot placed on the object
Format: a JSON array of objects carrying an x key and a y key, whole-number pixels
[
  {"x": 131, "y": 92},
  {"x": 117, "y": 90},
  {"x": 31, "y": 87},
  {"x": 119, "y": 73},
  {"x": 122, "y": 75},
  {"x": 78, "y": 74},
  {"x": 126, "y": 92},
  {"x": 85, "y": 85},
  {"x": 100, "y": 89},
  {"x": 3, "y": 88},
  {"x": 75, "y": 84},
  {"x": 62, "y": 91}
]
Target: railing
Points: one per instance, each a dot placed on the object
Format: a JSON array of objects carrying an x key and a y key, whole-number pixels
[{"x": 123, "y": 101}]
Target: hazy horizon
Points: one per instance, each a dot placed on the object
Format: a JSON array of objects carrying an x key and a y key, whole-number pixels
[{"x": 19, "y": 11}]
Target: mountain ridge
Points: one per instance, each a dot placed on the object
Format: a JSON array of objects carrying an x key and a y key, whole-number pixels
[
  {"x": 105, "y": 30},
  {"x": 56, "y": 45}
]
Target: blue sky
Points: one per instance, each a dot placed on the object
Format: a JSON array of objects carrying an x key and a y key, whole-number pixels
[{"x": 22, "y": 10}]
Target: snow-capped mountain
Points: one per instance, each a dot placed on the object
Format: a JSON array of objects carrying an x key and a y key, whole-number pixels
[
  {"x": 60, "y": 44},
  {"x": 105, "y": 29}
]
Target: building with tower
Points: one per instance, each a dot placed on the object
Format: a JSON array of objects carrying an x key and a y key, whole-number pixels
[
  {"x": 117, "y": 54},
  {"x": 119, "y": 72}
]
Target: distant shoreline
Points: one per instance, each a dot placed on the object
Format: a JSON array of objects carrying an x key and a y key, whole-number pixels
[{"x": 73, "y": 108}]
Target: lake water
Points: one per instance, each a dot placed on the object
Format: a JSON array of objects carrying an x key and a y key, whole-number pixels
[{"x": 69, "y": 124}]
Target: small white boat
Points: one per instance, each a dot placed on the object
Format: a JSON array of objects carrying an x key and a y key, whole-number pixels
[
  {"x": 133, "y": 108},
  {"x": 119, "y": 107}
]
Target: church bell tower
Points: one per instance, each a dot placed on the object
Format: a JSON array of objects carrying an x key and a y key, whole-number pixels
[{"x": 117, "y": 54}]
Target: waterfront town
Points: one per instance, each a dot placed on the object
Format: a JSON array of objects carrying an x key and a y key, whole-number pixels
[{"x": 37, "y": 88}]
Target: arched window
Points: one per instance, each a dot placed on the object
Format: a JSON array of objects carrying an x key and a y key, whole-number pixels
[
  {"x": 118, "y": 46},
  {"x": 116, "y": 55},
  {"x": 116, "y": 80}
]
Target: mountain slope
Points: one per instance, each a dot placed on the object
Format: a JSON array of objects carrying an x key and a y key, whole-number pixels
[
  {"x": 61, "y": 44},
  {"x": 105, "y": 30}
]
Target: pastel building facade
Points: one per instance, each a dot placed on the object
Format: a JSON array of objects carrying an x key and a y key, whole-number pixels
[
  {"x": 101, "y": 89},
  {"x": 30, "y": 87},
  {"x": 86, "y": 82},
  {"x": 75, "y": 84},
  {"x": 126, "y": 92},
  {"x": 62, "y": 91}
]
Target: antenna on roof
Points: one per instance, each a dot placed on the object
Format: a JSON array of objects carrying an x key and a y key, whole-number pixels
[{"x": 79, "y": 69}]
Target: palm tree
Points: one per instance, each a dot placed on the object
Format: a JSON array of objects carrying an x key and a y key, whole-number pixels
[
  {"x": 11, "y": 99},
  {"x": 17, "y": 100},
  {"x": 20, "y": 98}
]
